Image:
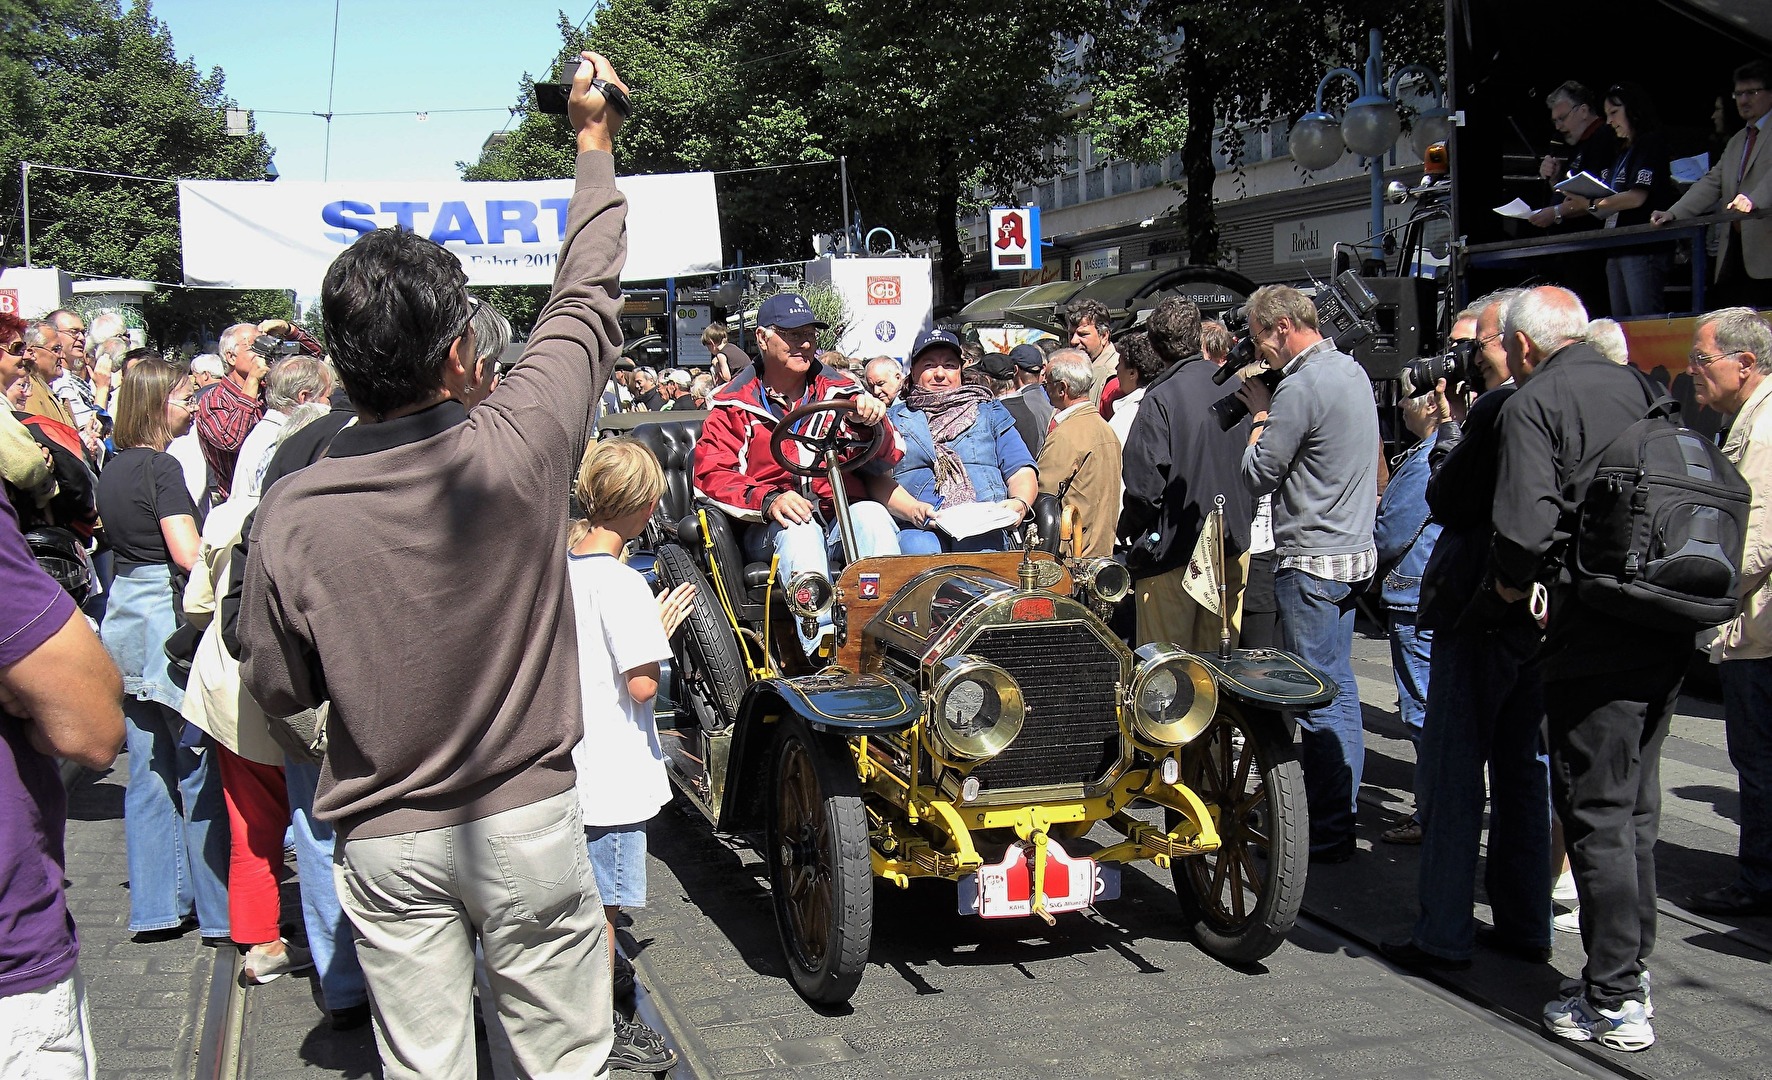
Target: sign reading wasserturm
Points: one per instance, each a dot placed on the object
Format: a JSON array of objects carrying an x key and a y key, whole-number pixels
[{"x": 283, "y": 235}]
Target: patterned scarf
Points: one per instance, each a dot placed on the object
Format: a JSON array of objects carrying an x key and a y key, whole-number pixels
[{"x": 950, "y": 412}]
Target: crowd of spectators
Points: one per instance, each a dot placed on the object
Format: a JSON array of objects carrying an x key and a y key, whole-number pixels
[{"x": 263, "y": 512}]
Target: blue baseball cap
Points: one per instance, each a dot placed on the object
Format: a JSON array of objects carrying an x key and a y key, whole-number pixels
[
  {"x": 1028, "y": 357},
  {"x": 788, "y": 311},
  {"x": 930, "y": 339}
]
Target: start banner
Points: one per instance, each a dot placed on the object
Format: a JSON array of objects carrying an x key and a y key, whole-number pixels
[{"x": 283, "y": 234}]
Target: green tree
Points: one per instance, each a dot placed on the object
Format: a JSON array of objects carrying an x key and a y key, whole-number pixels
[
  {"x": 86, "y": 84},
  {"x": 927, "y": 100},
  {"x": 1167, "y": 75}
]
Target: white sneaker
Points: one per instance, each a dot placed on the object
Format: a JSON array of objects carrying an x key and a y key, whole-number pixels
[
  {"x": 1572, "y": 987},
  {"x": 1579, "y": 1020},
  {"x": 1569, "y": 922},
  {"x": 1563, "y": 892}
]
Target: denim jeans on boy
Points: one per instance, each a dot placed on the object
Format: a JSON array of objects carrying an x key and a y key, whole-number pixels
[
  {"x": 1747, "y": 718},
  {"x": 175, "y": 826},
  {"x": 329, "y": 932},
  {"x": 1486, "y": 709},
  {"x": 813, "y": 546},
  {"x": 1317, "y": 626}
]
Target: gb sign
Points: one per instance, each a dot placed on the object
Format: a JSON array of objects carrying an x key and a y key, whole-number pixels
[{"x": 1015, "y": 238}]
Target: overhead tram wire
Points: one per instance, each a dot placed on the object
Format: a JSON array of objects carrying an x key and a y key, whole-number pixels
[{"x": 331, "y": 85}]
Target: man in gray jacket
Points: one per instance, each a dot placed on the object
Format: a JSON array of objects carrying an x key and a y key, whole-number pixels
[{"x": 1314, "y": 445}]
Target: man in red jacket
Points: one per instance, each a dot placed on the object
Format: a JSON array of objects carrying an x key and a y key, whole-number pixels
[{"x": 792, "y": 517}]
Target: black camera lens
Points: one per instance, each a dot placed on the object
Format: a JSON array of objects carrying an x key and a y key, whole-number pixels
[{"x": 1457, "y": 365}]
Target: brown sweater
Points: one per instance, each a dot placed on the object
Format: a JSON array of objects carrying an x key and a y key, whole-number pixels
[{"x": 416, "y": 576}]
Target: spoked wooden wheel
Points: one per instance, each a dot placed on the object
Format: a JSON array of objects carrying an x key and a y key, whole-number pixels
[
  {"x": 1243, "y": 898},
  {"x": 819, "y": 869}
]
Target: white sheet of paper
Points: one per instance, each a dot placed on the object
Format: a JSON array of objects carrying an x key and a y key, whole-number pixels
[
  {"x": 1689, "y": 170},
  {"x": 971, "y": 519},
  {"x": 1515, "y": 209}
]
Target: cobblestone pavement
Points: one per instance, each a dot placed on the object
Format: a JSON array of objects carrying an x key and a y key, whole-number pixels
[
  {"x": 146, "y": 1001},
  {"x": 1122, "y": 992}
]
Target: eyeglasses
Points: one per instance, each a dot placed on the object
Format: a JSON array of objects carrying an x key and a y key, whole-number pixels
[
  {"x": 187, "y": 402},
  {"x": 1698, "y": 359},
  {"x": 1483, "y": 342},
  {"x": 473, "y": 309},
  {"x": 1741, "y": 94},
  {"x": 14, "y": 348},
  {"x": 1557, "y": 118}
]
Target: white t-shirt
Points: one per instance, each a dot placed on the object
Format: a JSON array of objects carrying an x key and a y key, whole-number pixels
[{"x": 621, "y": 770}]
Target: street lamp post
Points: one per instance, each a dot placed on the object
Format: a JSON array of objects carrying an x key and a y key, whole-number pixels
[{"x": 1369, "y": 126}]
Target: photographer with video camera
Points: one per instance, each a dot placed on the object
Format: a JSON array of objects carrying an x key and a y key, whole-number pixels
[
  {"x": 438, "y": 532},
  {"x": 1314, "y": 443}
]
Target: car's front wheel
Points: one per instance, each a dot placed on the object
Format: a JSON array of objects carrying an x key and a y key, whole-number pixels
[
  {"x": 819, "y": 869},
  {"x": 1244, "y": 898}
]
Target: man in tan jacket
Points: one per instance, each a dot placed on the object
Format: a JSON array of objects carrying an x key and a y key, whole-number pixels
[
  {"x": 1741, "y": 180},
  {"x": 1080, "y": 462},
  {"x": 1730, "y": 358}
]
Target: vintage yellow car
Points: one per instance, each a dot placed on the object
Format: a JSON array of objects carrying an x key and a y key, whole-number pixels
[{"x": 975, "y": 719}]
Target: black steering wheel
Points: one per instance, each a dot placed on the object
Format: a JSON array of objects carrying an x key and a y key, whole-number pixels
[{"x": 852, "y": 452}]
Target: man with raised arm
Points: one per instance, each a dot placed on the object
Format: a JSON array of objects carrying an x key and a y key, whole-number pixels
[{"x": 415, "y": 578}]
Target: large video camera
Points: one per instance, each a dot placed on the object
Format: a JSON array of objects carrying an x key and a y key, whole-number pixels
[
  {"x": 1459, "y": 366},
  {"x": 1344, "y": 314}
]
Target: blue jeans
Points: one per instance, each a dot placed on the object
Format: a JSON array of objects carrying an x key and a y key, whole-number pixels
[
  {"x": 915, "y": 541},
  {"x": 1635, "y": 283},
  {"x": 1410, "y": 648},
  {"x": 1486, "y": 708},
  {"x": 814, "y": 546},
  {"x": 329, "y": 933},
  {"x": 1317, "y": 626},
  {"x": 175, "y": 826},
  {"x": 1747, "y": 716}
]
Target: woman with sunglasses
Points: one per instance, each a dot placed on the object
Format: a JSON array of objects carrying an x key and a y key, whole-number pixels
[{"x": 174, "y": 820}]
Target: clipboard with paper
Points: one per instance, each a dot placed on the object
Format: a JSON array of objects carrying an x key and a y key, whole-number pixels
[{"x": 1585, "y": 185}]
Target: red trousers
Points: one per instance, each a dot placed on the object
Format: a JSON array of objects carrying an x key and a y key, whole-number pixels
[{"x": 258, "y": 816}]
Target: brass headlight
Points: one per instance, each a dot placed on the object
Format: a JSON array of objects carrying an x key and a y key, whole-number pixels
[
  {"x": 975, "y": 710},
  {"x": 810, "y": 594},
  {"x": 1174, "y": 696},
  {"x": 1101, "y": 579}
]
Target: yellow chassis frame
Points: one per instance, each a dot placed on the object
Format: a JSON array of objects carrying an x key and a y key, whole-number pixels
[{"x": 911, "y": 855}]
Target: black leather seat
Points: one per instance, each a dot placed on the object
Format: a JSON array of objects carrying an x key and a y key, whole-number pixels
[{"x": 673, "y": 443}]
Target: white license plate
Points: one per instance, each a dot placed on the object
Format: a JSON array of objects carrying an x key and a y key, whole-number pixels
[{"x": 1004, "y": 889}]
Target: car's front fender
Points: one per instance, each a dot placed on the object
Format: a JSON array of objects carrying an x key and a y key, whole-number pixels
[{"x": 836, "y": 706}]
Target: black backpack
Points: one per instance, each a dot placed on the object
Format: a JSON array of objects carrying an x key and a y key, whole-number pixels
[{"x": 1660, "y": 525}]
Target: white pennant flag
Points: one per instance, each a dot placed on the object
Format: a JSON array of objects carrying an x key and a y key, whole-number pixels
[{"x": 1202, "y": 580}]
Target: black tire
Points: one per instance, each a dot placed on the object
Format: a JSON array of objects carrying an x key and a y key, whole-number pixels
[
  {"x": 1243, "y": 899},
  {"x": 820, "y": 873},
  {"x": 711, "y": 671}
]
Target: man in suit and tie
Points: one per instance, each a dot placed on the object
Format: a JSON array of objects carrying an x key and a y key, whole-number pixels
[{"x": 1741, "y": 181}]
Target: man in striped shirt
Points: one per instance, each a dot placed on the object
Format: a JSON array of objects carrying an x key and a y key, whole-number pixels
[{"x": 227, "y": 414}]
